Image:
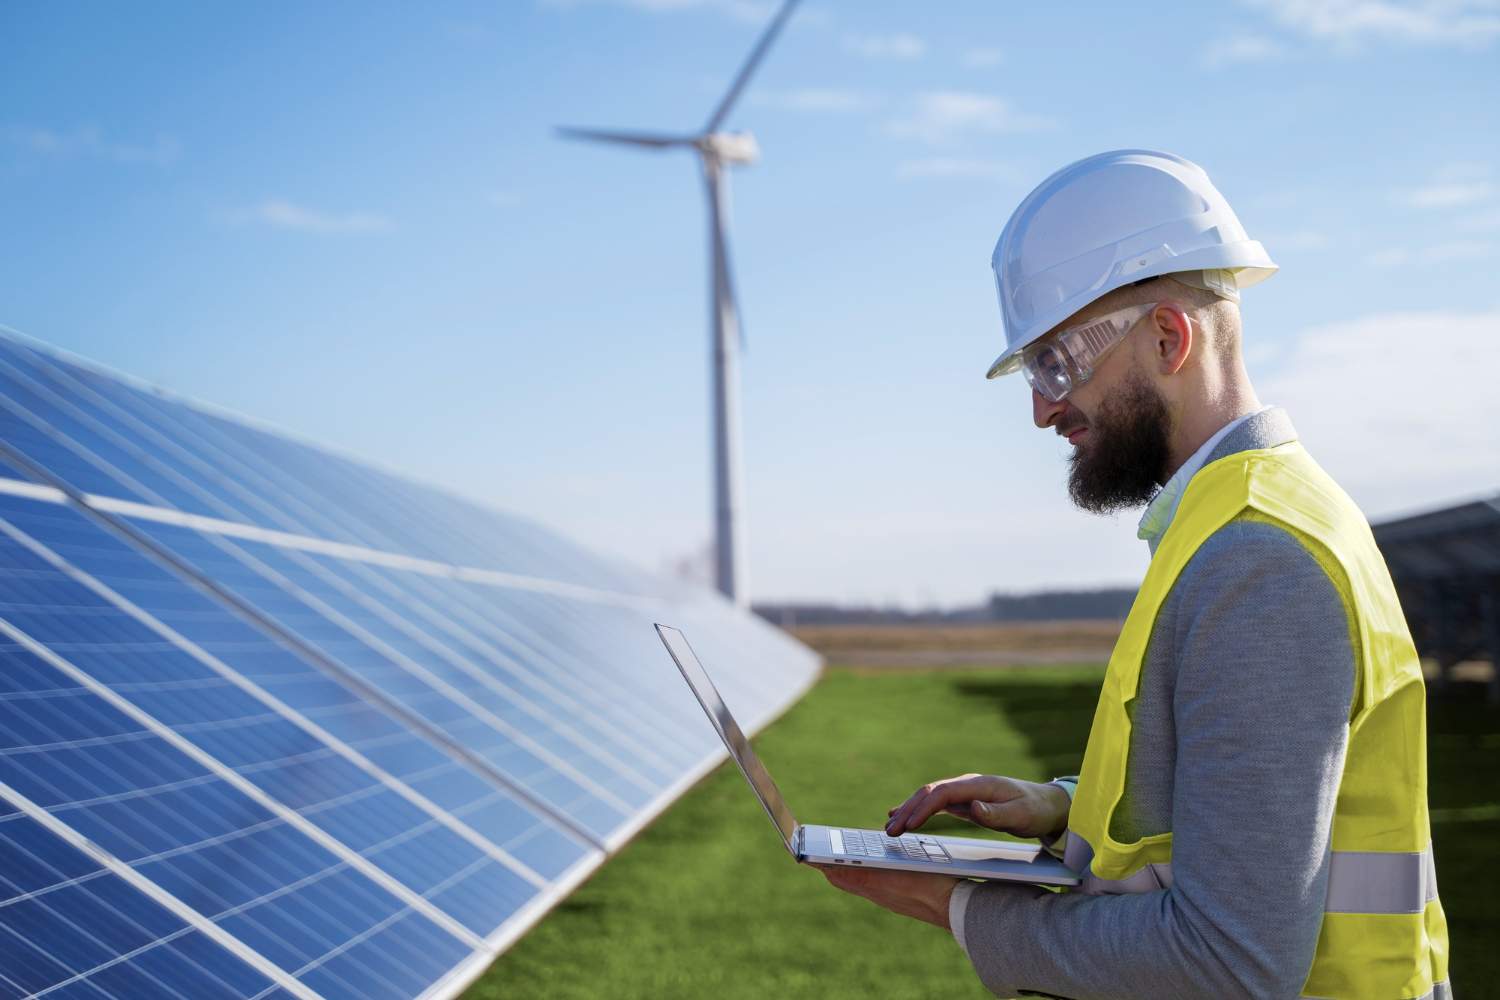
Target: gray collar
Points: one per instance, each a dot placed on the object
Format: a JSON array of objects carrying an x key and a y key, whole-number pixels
[{"x": 1264, "y": 429}]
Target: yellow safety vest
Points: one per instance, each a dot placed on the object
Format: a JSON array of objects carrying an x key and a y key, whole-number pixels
[{"x": 1383, "y": 934}]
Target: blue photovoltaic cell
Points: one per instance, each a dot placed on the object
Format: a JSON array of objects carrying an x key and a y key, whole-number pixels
[
  {"x": 116, "y": 464},
  {"x": 23, "y": 432},
  {"x": 381, "y": 623},
  {"x": 128, "y": 444},
  {"x": 397, "y": 750},
  {"x": 71, "y": 926},
  {"x": 467, "y": 734},
  {"x": 593, "y": 805},
  {"x": 460, "y": 722},
  {"x": 615, "y": 721},
  {"x": 284, "y": 761},
  {"x": 204, "y": 842}
]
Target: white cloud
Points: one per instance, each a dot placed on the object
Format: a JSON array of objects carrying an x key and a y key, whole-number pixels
[
  {"x": 89, "y": 141},
  {"x": 1481, "y": 222},
  {"x": 816, "y": 99},
  {"x": 1441, "y": 253},
  {"x": 982, "y": 58},
  {"x": 955, "y": 167},
  {"x": 1239, "y": 49},
  {"x": 1464, "y": 23},
  {"x": 1388, "y": 258},
  {"x": 1464, "y": 170},
  {"x": 1434, "y": 253},
  {"x": 900, "y": 46},
  {"x": 942, "y": 115},
  {"x": 1467, "y": 200},
  {"x": 1461, "y": 196},
  {"x": 278, "y": 213},
  {"x": 1450, "y": 194},
  {"x": 1397, "y": 406}
]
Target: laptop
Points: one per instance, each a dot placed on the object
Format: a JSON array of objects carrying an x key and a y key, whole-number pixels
[{"x": 965, "y": 857}]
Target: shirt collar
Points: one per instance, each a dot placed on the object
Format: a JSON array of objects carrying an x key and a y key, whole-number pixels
[{"x": 1163, "y": 506}]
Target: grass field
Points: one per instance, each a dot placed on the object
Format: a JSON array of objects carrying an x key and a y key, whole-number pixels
[{"x": 706, "y": 904}]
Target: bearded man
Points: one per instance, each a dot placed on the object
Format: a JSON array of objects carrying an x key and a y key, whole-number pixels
[{"x": 1251, "y": 816}]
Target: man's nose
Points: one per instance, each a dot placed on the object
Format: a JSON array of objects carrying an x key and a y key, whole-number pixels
[{"x": 1044, "y": 412}]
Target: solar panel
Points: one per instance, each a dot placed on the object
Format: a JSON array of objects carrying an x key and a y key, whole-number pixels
[
  {"x": 275, "y": 722},
  {"x": 70, "y": 925}
]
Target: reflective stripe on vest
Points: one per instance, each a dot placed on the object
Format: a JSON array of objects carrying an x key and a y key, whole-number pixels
[
  {"x": 1439, "y": 991},
  {"x": 1383, "y": 934},
  {"x": 1358, "y": 881}
]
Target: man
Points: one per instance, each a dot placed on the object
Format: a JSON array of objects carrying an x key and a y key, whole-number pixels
[{"x": 1251, "y": 817}]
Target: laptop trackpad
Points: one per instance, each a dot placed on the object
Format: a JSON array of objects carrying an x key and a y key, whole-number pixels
[{"x": 986, "y": 850}]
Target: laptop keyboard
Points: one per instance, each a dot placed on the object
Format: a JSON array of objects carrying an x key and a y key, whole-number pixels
[{"x": 869, "y": 844}]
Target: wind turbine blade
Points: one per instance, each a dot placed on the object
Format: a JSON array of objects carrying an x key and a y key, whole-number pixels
[
  {"x": 756, "y": 54},
  {"x": 650, "y": 140}
]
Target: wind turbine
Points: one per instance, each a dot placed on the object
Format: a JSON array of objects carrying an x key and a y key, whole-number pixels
[{"x": 717, "y": 151}]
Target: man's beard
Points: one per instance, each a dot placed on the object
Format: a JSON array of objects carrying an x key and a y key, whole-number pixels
[{"x": 1125, "y": 455}]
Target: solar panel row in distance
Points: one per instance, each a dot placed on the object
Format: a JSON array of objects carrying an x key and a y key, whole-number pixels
[{"x": 275, "y": 722}]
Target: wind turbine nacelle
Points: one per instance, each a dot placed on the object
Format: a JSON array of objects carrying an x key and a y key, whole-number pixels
[{"x": 731, "y": 147}]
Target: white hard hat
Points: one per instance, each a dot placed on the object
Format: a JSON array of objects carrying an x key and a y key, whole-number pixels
[{"x": 1108, "y": 221}]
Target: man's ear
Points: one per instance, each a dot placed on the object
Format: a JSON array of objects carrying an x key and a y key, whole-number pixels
[{"x": 1173, "y": 337}]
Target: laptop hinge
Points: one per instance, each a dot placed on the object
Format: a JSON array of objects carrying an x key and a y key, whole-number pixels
[{"x": 801, "y": 851}]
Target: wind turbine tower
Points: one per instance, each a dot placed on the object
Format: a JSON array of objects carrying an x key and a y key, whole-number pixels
[{"x": 717, "y": 151}]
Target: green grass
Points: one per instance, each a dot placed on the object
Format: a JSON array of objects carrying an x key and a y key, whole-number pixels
[{"x": 706, "y": 904}]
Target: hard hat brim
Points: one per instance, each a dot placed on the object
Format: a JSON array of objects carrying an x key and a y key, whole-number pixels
[{"x": 1006, "y": 364}]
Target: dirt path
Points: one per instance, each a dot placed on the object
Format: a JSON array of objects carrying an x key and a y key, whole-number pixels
[{"x": 938, "y": 646}]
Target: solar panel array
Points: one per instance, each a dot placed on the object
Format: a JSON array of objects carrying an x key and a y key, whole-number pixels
[{"x": 276, "y": 723}]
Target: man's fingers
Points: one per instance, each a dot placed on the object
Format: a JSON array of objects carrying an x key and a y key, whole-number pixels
[
  {"x": 925, "y": 801},
  {"x": 999, "y": 815},
  {"x": 939, "y": 795},
  {"x": 856, "y": 881}
]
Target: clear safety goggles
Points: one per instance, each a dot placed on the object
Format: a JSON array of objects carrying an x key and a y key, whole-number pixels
[{"x": 1060, "y": 363}]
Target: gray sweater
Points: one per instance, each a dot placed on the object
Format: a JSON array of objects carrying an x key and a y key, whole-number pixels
[{"x": 1237, "y": 748}]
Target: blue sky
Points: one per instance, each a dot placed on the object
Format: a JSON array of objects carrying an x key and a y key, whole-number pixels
[{"x": 353, "y": 220}]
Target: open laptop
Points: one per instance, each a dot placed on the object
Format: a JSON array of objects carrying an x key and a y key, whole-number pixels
[{"x": 835, "y": 845}]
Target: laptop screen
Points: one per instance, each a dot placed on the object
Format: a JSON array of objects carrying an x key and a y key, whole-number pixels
[{"x": 729, "y": 731}]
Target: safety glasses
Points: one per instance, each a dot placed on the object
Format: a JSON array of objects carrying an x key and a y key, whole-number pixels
[{"x": 1060, "y": 363}]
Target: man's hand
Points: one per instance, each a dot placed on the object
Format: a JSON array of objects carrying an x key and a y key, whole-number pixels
[
  {"x": 923, "y": 897},
  {"x": 1024, "y": 808}
]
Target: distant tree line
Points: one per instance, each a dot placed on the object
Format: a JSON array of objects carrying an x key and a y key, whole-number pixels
[
  {"x": 1057, "y": 605},
  {"x": 1047, "y": 605}
]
